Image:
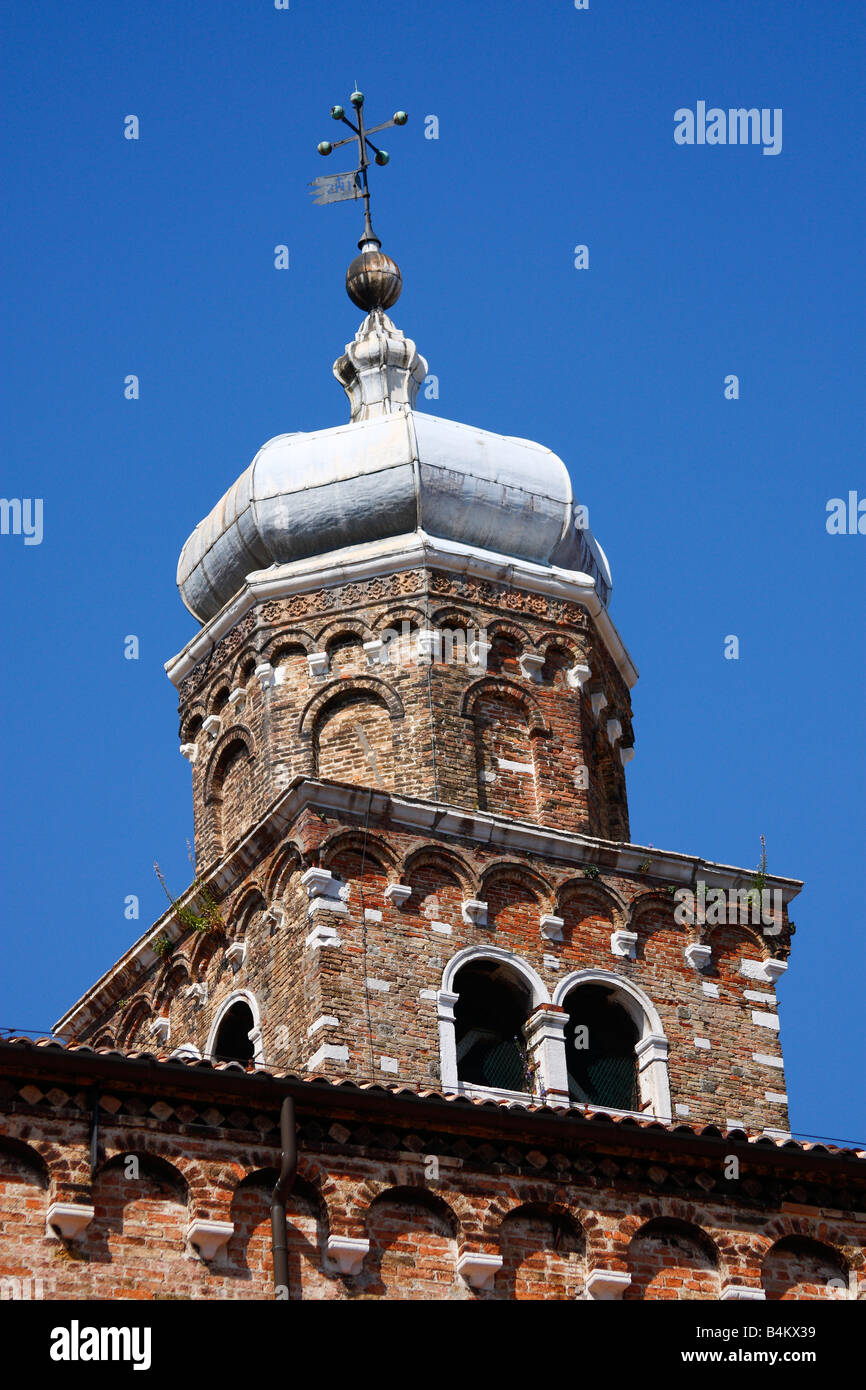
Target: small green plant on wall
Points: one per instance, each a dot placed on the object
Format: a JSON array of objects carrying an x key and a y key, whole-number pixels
[{"x": 208, "y": 918}]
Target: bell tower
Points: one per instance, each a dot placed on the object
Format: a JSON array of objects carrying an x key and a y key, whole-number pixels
[{"x": 407, "y": 715}]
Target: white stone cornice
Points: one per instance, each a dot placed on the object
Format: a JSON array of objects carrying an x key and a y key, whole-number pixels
[{"x": 353, "y": 564}]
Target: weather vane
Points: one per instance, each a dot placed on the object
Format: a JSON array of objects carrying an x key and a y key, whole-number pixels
[
  {"x": 373, "y": 280},
  {"x": 334, "y": 188}
]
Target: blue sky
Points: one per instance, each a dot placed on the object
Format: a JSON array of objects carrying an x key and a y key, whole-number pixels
[{"x": 156, "y": 257}]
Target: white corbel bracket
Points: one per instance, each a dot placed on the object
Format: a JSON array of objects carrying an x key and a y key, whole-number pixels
[
  {"x": 189, "y": 751},
  {"x": 318, "y": 664},
  {"x": 398, "y": 893},
  {"x": 598, "y": 700},
  {"x": 607, "y": 1284},
  {"x": 623, "y": 943},
  {"x": 478, "y": 652},
  {"x": 531, "y": 664},
  {"x": 774, "y": 970},
  {"x": 377, "y": 652},
  {"x": 265, "y": 675},
  {"x": 209, "y": 1237},
  {"x": 326, "y": 892},
  {"x": 742, "y": 1293},
  {"x": 196, "y": 991},
  {"x": 478, "y": 1268},
  {"x": 551, "y": 927},
  {"x": 614, "y": 731},
  {"x": 160, "y": 1029},
  {"x": 626, "y": 755},
  {"x": 577, "y": 676},
  {"x": 236, "y": 954},
  {"x": 66, "y": 1220},
  {"x": 348, "y": 1253},
  {"x": 698, "y": 955},
  {"x": 475, "y": 912},
  {"x": 237, "y": 696},
  {"x": 212, "y": 725},
  {"x": 318, "y": 881},
  {"x": 275, "y": 916}
]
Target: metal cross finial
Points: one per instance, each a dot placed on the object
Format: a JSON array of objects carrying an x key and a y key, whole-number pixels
[{"x": 334, "y": 188}]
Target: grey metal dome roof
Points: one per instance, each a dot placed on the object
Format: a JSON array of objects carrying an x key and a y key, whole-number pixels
[{"x": 392, "y": 470}]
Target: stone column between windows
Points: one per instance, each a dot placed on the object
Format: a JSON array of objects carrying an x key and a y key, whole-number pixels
[
  {"x": 652, "y": 1069},
  {"x": 447, "y": 1037},
  {"x": 544, "y": 1031}
]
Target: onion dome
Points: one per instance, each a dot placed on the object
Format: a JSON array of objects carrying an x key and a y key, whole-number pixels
[{"x": 390, "y": 471}]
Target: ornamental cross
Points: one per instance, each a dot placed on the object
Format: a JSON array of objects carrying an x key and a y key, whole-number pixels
[{"x": 335, "y": 188}]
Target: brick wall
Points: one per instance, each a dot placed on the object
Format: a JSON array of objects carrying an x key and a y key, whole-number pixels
[{"x": 426, "y": 1194}]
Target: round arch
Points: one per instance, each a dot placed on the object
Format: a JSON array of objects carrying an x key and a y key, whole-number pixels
[
  {"x": 339, "y": 689},
  {"x": 651, "y": 1049},
  {"x": 238, "y": 996}
]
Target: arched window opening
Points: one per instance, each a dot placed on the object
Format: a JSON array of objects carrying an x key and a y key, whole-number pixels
[
  {"x": 220, "y": 700},
  {"x": 600, "y": 1058},
  {"x": 233, "y": 1042},
  {"x": 492, "y": 1006}
]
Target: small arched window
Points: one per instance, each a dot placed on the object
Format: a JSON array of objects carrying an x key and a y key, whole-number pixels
[
  {"x": 600, "y": 1041},
  {"x": 492, "y": 1007},
  {"x": 233, "y": 1042}
]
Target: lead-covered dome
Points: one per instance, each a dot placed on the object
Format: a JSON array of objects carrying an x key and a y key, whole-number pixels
[{"x": 391, "y": 471}]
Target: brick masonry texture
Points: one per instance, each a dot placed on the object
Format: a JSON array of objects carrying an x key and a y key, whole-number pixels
[
  {"x": 345, "y": 983},
  {"x": 429, "y": 730},
  {"x": 555, "y": 1212}
]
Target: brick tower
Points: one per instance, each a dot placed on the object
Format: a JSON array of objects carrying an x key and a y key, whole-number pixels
[
  {"x": 417, "y": 908},
  {"x": 408, "y": 715}
]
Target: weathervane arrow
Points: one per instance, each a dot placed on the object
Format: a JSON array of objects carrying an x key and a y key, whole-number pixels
[{"x": 337, "y": 188}]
